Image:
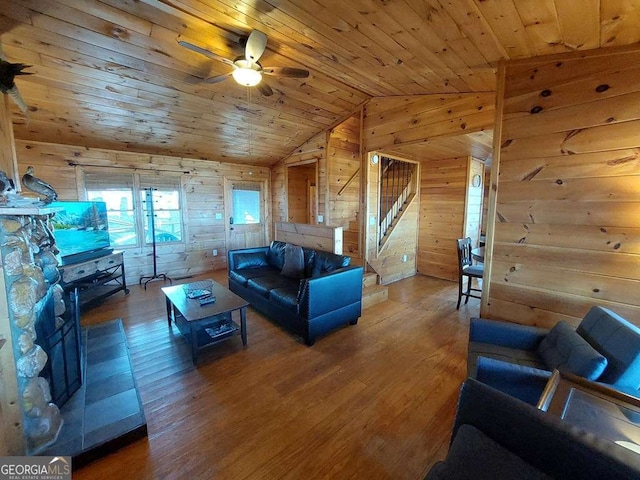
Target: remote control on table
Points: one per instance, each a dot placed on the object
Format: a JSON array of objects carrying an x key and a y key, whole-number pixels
[{"x": 207, "y": 300}]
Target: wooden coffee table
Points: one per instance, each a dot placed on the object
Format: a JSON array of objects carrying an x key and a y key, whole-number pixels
[{"x": 206, "y": 325}]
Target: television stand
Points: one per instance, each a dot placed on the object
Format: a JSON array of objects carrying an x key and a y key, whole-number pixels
[{"x": 95, "y": 279}]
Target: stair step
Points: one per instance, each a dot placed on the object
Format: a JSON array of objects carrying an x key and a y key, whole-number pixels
[
  {"x": 374, "y": 295},
  {"x": 369, "y": 279}
]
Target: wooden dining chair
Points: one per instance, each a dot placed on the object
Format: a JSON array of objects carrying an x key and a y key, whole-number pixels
[{"x": 467, "y": 269}]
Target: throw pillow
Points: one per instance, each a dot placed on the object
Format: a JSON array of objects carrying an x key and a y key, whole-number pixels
[
  {"x": 293, "y": 262},
  {"x": 564, "y": 349}
]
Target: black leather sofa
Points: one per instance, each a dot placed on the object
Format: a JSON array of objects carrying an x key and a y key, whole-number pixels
[
  {"x": 496, "y": 437},
  {"x": 328, "y": 296}
]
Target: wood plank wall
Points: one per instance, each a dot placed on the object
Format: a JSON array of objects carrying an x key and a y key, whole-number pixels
[
  {"x": 443, "y": 186},
  {"x": 473, "y": 207},
  {"x": 313, "y": 149},
  {"x": 567, "y": 209},
  {"x": 202, "y": 182},
  {"x": 319, "y": 237},
  {"x": 344, "y": 164},
  {"x": 299, "y": 179},
  {"x": 392, "y": 121}
]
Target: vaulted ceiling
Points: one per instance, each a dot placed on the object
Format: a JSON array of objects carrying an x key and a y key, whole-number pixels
[{"x": 111, "y": 74}]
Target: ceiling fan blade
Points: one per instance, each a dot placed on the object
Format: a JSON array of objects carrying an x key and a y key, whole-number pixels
[
  {"x": 218, "y": 78},
  {"x": 256, "y": 44},
  {"x": 264, "y": 88},
  {"x": 205, "y": 52},
  {"x": 286, "y": 72}
]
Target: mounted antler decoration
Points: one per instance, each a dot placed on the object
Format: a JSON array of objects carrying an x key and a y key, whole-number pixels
[{"x": 8, "y": 72}]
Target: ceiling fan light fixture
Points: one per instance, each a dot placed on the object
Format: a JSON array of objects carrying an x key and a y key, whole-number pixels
[{"x": 247, "y": 76}]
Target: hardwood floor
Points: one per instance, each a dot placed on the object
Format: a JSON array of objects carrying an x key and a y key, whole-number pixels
[{"x": 374, "y": 401}]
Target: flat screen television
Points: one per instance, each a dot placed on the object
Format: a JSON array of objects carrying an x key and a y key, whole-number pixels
[{"x": 81, "y": 230}]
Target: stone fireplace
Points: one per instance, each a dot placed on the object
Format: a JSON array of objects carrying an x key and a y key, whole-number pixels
[{"x": 29, "y": 294}]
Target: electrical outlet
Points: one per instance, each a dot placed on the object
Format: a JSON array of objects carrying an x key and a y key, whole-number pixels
[
  {"x": 405, "y": 257},
  {"x": 218, "y": 215},
  {"x": 215, "y": 252}
]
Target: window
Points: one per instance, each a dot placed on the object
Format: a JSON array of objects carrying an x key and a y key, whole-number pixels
[
  {"x": 117, "y": 191},
  {"x": 160, "y": 198},
  {"x": 130, "y": 215},
  {"x": 246, "y": 203}
]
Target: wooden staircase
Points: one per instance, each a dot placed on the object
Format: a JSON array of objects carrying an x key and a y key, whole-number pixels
[{"x": 372, "y": 293}]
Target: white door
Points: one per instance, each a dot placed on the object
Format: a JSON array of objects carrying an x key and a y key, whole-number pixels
[{"x": 246, "y": 212}]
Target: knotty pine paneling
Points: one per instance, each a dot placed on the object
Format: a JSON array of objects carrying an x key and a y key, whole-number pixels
[
  {"x": 203, "y": 195},
  {"x": 567, "y": 215},
  {"x": 388, "y": 261},
  {"x": 443, "y": 189},
  {"x": 344, "y": 168},
  {"x": 313, "y": 150},
  {"x": 300, "y": 178},
  {"x": 392, "y": 121}
]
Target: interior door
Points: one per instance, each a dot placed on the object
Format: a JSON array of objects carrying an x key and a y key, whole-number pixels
[{"x": 246, "y": 212}]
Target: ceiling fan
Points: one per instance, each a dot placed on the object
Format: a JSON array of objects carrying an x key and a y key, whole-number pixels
[{"x": 247, "y": 70}]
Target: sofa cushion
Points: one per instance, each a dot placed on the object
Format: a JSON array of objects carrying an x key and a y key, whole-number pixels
[
  {"x": 325, "y": 262},
  {"x": 293, "y": 262},
  {"x": 242, "y": 276},
  {"x": 475, "y": 456},
  {"x": 250, "y": 260},
  {"x": 616, "y": 339},
  {"x": 286, "y": 296},
  {"x": 498, "y": 352},
  {"x": 263, "y": 285},
  {"x": 567, "y": 351},
  {"x": 275, "y": 256}
]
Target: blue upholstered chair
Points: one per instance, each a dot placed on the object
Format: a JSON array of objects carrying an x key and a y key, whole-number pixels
[{"x": 518, "y": 359}]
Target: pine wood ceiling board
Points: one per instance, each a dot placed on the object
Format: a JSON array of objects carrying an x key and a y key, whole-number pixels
[
  {"x": 474, "y": 26},
  {"x": 432, "y": 26},
  {"x": 579, "y": 23},
  {"x": 502, "y": 16},
  {"x": 541, "y": 25},
  {"x": 351, "y": 34},
  {"x": 606, "y": 239},
  {"x": 600, "y": 164},
  {"x": 354, "y": 70},
  {"x": 410, "y": 40},
  {"x": 620, "y": 20}
]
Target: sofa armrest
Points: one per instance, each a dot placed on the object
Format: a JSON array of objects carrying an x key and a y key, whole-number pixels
[
  {"x": 506, "y": 334},
  {"x": 232, "y": 255},
  {"x": 540, "y": 439},
  {"x": 519, "y": 381},
  {"x": 330, "y": 291}
]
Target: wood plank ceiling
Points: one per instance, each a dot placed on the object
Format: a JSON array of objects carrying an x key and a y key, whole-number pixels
[{"x": 110, "y": 73}]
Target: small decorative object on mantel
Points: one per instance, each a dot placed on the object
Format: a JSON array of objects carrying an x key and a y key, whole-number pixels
[
  {"x": 39, "y": 186},
  {"x": 6, "y": 187}
]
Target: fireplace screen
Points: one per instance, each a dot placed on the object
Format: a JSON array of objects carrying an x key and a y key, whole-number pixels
[{"x": 60, "y": 339}]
